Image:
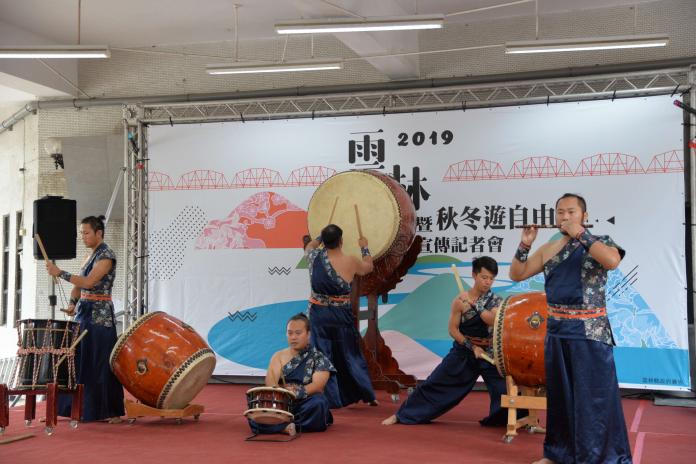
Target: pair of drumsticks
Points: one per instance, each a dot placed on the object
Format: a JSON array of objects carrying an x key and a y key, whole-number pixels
[
  {"x": 55, "y": 279},
  {"x": 357, "y": 217}
]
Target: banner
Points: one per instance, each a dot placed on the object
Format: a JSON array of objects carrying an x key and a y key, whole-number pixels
[{"x": 228, "y": 208}]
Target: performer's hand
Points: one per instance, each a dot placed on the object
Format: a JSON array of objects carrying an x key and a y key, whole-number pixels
[
  {"x": 362, "y": 242},
  {"x": 70, "y": 311},
  {"x": 464, "y": 299},
  {"x": 478, "y": 351},
  {"x": 572, "y": 229},
  {"x": 529, "y": 234},
  {"x": 52, "y": 269}
]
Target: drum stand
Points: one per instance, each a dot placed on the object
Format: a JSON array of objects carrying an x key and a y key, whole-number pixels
[
  {"x": 135, "y": 410},
  {"x": 51, "y": 391},
  {"x": 384, "y": 369},
  {"x": 532, "y": 399}
]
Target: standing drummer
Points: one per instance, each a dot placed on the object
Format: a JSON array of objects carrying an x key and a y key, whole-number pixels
[
  {"x": 333, "y": 324},
  {"x": 91, "y": 297},
  {"x": 304, "y": 370},
  {"x": 585, "y": 421},
  {"x": 470, "y": 324}
]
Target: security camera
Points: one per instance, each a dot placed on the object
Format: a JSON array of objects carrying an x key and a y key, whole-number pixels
[{"x": 54, "y": 147}]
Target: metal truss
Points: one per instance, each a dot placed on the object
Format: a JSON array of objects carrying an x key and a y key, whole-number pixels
[
  {"x": 669, "y": 81},
  {"x": 135, "y": 230}
]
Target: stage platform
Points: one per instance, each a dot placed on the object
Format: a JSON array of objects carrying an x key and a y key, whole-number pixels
[{"x": 658, "y": 434}]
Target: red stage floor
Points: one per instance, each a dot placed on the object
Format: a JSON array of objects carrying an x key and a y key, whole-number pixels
[{"x": 658, "y": 434}]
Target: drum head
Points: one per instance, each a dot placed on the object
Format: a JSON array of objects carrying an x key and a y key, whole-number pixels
[
  {"x": 269, "y": 416},
  {"x": 271, "y": 389},
  {"x": 188, "y": 381},
  {"x": 378, "y": 208}
]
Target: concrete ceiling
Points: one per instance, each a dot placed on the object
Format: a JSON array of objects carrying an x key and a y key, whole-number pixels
[{"x": 138, "y": 23}]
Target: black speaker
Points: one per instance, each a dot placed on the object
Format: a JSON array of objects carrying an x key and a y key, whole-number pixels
[{"x": 56, "y": 223}]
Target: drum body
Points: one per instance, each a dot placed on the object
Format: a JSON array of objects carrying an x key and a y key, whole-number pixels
[
  {"x": 519, "y": 332},
  {"x": 269, "y": 405},
  {"x": 387, "y": 218},
  {"x": 162, "y": 361},
  {"x": 42, "y": 343}
]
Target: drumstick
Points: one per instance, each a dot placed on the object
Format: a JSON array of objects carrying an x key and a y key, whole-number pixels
[
  {"x": 485, "y": 357},
  {"x": 357, "y": 218},
  {"x": 457, "y": 278},
  {"x": 43, "y": 252},
  {"x": 72, "y": 347},
  {"x": 547, "y": 226},
  {"x": 333, "y": 210}
]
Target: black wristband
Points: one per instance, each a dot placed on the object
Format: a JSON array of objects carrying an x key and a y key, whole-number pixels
[
  {"x": 364, "y": 251},
  {"x": 522, "y": 252},
  {"x": 65, "y": 275}
]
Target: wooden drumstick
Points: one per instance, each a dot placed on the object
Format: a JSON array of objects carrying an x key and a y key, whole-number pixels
[
  {"x": 357, "y": 219},
  {"x": 485, "y": 357},
  {"x": 72, "y": 347},
  {"x": 282, "y": 377},
  {"x": 43, "y": 252},
  {"x": 457, "y": 278},
  {"x": 333, "y": 210}
]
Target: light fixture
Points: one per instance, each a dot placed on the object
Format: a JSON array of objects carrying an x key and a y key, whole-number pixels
[
  {"x": 399, "y": 23},
  {"x": 254, "y": 68},
  {"x": 583, "y": 44},
  {"x": 56, "y": 51}
]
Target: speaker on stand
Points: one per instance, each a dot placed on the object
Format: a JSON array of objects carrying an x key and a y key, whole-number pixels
[{"x": 55, "y": 221}]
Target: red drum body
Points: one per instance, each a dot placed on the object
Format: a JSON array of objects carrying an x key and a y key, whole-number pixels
[
  {"x": 518, "y": 338},
  {"x": 162, "y": 361}
]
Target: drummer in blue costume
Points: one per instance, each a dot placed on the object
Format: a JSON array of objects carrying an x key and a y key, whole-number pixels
[
  {"x": 331, "y": 317},
  {"x": 91, "y": 297},
  {"x": 470, "y": 324},
  {"x": 304, "y": 370},
  {"x": 585, "y": 421}
]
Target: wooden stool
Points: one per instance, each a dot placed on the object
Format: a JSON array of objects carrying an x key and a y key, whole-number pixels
[
  {"x": 135, "y": 410},
  {"x": 532, "y": 399},
  {"x": 51, "y": 391}
]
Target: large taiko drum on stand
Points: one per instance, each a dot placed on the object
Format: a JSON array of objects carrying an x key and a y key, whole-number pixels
[
  {"x": 387, "y": 218},
  {"x": 518, "y": 338},
  {"x": 162, "y": 361}
]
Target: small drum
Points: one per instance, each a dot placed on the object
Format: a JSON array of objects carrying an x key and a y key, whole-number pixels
[
  {"x": 269, "y": 405},
  {"x": 387, "y": 219},
  {"x": 518, "y": 338},
  {"x": 42, "y": 342},
  {"x": 162, "y": 361}
]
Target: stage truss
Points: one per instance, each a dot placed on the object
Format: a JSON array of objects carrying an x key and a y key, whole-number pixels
[{"x": 676, "y": 82}]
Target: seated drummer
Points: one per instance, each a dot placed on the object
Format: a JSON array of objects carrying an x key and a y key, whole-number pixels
[
  {"x": 305, "y": 372},
  {"x": 471, "y": 318}
]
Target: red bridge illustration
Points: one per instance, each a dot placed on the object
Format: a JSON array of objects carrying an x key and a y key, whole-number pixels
[
  {"x": 258, "y": 177},
  {"x": 309, "y": 175},
  {"x": 476, "y": 169},
  {"x": 601, "y": 164},
  {"x": 202, "y": 179}
]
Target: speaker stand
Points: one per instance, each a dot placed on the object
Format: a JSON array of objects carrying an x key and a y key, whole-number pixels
[{"x": 52, "y": 300}]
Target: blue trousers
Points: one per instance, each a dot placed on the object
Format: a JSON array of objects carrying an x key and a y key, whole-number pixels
[
  {"x": 585, "y": 422},
  {"x": 447, "y": 386}
]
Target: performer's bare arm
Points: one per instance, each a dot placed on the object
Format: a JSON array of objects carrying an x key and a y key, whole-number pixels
[
  {"x": 519, "y": 270},
  {"x": 488, "y": 316},
  {"x": 363, "y": 266},
  {"x": 273, "y": 371},
  {"x": 459, "y": 305},
  {"x": 319, "y": 380},
  {"x": 310, "y": 244},
  {"x": 99, "y": 270}
]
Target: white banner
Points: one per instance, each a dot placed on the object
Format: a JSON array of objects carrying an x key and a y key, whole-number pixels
[{"x": 228, "y": 208}]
